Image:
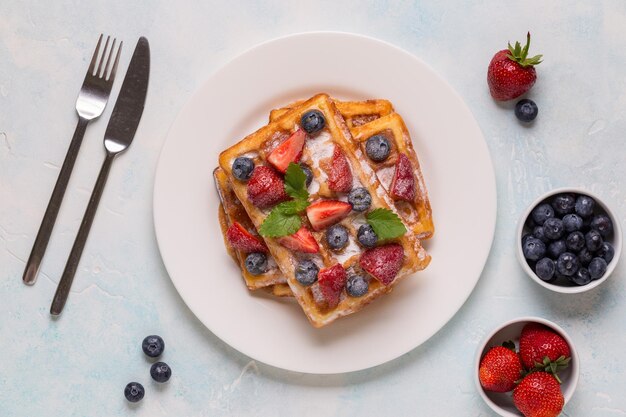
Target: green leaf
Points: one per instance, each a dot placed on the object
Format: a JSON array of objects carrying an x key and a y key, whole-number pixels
[
  {"x": 509, "y": 345},
  {"x": 386, "y": 223},
  {"x": 292, "y": 206},
  {"x": 279, "y": 224},
  {"x": 295, "y": 182}
]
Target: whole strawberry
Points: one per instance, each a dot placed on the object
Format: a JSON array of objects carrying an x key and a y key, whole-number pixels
[
  {"x": 541, "y": 348},
  {"x": 511, "y": 73},
  {"x": 538, "y": 395},
  {"x": 499, "y": 369}
]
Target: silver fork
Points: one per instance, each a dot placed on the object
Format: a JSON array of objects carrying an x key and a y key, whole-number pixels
[{"x": 92, "y": 99}]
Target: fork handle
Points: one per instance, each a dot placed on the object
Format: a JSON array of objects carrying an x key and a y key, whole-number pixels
[
  {"x": 63, "y": 289},
  {"x": 49, "y": 218}
]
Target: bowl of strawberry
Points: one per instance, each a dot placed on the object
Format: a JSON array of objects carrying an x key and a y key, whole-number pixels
[
  {"x": 527, "y": 367},
  {"x": 568, "y": 240}
]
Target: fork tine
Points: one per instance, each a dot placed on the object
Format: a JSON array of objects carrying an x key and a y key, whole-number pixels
[
  {"x": 117, "y": 59},
  {"x": 104, "y": 53},
  {"x": 94, "y": 58},
  {"x": 108, "y": 64}
]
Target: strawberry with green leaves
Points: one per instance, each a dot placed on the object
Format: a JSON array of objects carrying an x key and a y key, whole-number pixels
[
  {"x": 543, "y": 349},
  {"x": 538, "y": 395}
]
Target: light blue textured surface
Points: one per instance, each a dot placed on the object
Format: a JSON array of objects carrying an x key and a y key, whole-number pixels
[{"x": 78, "y": 364}]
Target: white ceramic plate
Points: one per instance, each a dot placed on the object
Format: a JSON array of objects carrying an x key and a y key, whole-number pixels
[{"x": 235, "y": 101}]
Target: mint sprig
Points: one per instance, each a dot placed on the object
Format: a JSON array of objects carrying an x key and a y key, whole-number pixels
[
  {"x": 284, "y": 219},
  {"x": 386, "y": 223}
]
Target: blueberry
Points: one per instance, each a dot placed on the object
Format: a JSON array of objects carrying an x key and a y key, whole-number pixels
[
  {"x": 526, "y": 110},
  {"x": 360, "y": 199},
  {"x": 553, "y": 228},
  {"x": 256, "y": 263},
  {"x": 581, "y": 277},
  {"x": 545, "y": 269},
  {"x": 597, "y": 268},
  {"x": 572, "y": 222},
  {"x": 242, "y": 168},
  {"x": 584, "y": 206},
  {"x": 337, "y": 236},
  {"x": 160, "y": 372},
  {"x": 366, "y": 236},
  {"x": 556, "y": 248},
  {"x": 534, "y": 249},
  {"x": 377, "y": 148},
  {"x": 593, "y": 239},
  {"x": 153, "y": 346},
  {"x": 575, "y": 241},
  {"x": 541, "y": 213},
  {"x": 606, "y": 252},
  {"x": 306, "y": 272},
  {"x": 312, "y": 121},
  {"x": 356, "y": 286},
  {"x": 525, "y": 237},
  {"x": 567, "y": 264},
  {"x": 564, "y": 203},
  {"x": 584, "y": 256},
  {"x": 134, "y": 392},
  {"x": 308, "y": 173},
  {"x": 602, "y": 224},
  {"x": 539, "y": 234}
]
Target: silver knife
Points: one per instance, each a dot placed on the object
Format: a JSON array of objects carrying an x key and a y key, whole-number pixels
[{"x": 117, "y": 138}]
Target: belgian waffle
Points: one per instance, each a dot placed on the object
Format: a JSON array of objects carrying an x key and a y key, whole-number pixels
[{"x": 317, "y": 152}]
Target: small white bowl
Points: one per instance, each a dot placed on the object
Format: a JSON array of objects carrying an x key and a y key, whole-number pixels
[
  {"x": 502, "y": 403},
  {"x": 615, "y": 240}
]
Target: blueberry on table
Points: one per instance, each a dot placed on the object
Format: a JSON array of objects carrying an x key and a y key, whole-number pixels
[
  {"x": 360, "y": 199},
  {"x": 606, "y": 252},
  {"x": 367, "y": 237},
  {"x": 545, "y": 269},
  {"x": 534, "y": 249},
  {"x": 312, "y": 121},
  {"x": 564, "y": 203},
  {"x": 526, "y": 110},
  {"x": 572, "y": 222},
  {"x": 256, "y": 263},
  {"x": 581, "y": 277},
  {"x": 539, "y": 234},
  {"x": 153, "y": 346},
  {"x": 357, "y": 286},
  {"x": 377, "y": 148},
  {"x": 337, "y": 237},
  {"x": 575, "y": 241},
  {"x": 541, "y": 213},
  {"x": 584, "y": 256},
  {"x": 134, "y": 392},
  {"x": 597, "y": 268},
  {"x": 306, "y": 272},
  {"x": 584, "y": 206},
  {"x": 593, "y": 240},
  {"x": 160, "y": 372},
  {"x": 308, "y": 173},
  {"x": 556, "y": 248},
  {"x": 567, "y": 264},
  {"x": 602, "y": 224},
  {"x": 242, "y": 168},
  {"x": 553, "y": 228}
]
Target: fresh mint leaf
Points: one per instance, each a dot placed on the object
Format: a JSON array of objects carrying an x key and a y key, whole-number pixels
[
  {"x": 295, "y": 182},
  {"x": 292, "y": 206},
  {"x": 279, "y": 224},
  {"x": 386, "y": 223}
]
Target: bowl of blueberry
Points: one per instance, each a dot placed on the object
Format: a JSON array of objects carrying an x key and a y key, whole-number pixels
[{"x": 569, "y": 241}]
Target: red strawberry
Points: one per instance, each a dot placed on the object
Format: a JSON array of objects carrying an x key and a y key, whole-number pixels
[
  {"x": 331, "y": 281},
  {"x": 538, "y": 342},
  {"x": 538, "y": 395},
  {"x": 339, "y": 175},
  {"x": 266, "y": 187},
  {"x": 301, "y": 241},
  {"x": 403, "y": 182},
  {"x": 499, "y": 369},
  {"x": 240, "y": 239},
  {"x": 511, "y": 73},
  {"x": 288, "y": 151},
  {"x": 327, "y": 212},
  {"x": 383, "y": 262}
]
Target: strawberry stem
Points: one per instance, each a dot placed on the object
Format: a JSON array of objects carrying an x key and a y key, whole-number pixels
[{"x": 520, "y": 55}]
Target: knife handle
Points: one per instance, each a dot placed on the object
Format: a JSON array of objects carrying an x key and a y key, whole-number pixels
[
  {"x": 50, "y": 217},
  {"x": 63, "y": 289}
]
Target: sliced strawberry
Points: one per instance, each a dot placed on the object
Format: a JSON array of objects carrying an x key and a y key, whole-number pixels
[
  {"x": 327, "y": 212},
  {"x": 331, "y": 282},
  {"x": 301, "y": 241},
  {"x": 288, "y": 151},
  {"x": 403, "y": 183},
  {"x": 266, "y": 187},
  {"x": 383, "y": 262},
  {"x": 339, "y": 174},
  {"x": 242, "y": 240}
]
